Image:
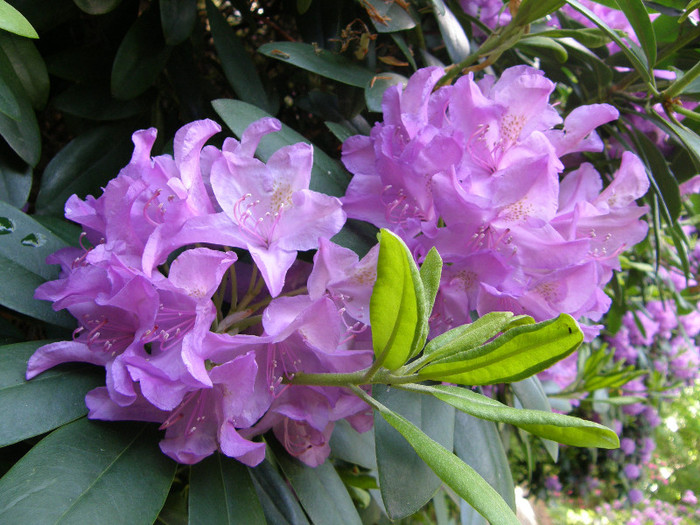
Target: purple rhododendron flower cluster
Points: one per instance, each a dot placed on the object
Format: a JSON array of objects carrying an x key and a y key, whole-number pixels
[
  {"x": 475, "y": 170},
  {"x": 167, "y": 303}
]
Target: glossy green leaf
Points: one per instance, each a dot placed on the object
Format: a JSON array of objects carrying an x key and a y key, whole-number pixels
[
  {"x": 320, "y": 490},
  {"x": 327, "y": 175},
  {"x": 530, "y": 394},
  {"x": 177, "y": 18},
  {"x": 141, "y": 57},
  {"x": 221, "y": 492},
  {"x": 531, "y": 10},
  {"x": 456, "y": 474},
  {"x": 550, "y": 425},
  {"x": 97, "y": 7},
  {"x": 637, "y": 16},
  {"x": 515, "y": 355},
  {"x": 452, "y": 33},
  {"x": 95, "y": 102},
  {"x": 29, "y": 67},
  {"x": 478, "y": 443},
  {"x": 374, "y": 90},
  {"x": 15, "y": 181},
  {"x": 319, "y": 61},
  {"x": 51, "y": 399},
  {"x": 237, "y": 65},
  {"x": 84, "y": 166},
  {"x": 89, "y": 472},
  {"x": 351, "y": 446},
  {"x": 20, "y": 131},
  {"x": 393, "y": 307},
  {"x": 389, "y": 17},
  {"x": 538, "y": 45},
  {"x": 279, "y": 503},
  {"x": 13, "y": 21},
  {"x": 405, "y": 480},
  {"x": 8, "y": 102},
  {"x": 430, "y": 273},
  {"x": 589, "y": 37},
  {"x": 68, "y": 231}
]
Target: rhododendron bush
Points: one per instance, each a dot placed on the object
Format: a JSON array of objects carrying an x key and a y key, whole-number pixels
[{"x": 489, "y": 245}]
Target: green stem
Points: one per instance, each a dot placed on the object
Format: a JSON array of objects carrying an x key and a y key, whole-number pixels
[
  {"x": 680, "y": 84},
  {"x": 383, "y": 377},
  {"x": 686, "y": 112}
]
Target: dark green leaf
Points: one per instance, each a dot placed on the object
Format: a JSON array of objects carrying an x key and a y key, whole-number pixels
[
  {"x": 222, "y": 493},
  {"x": 532, "y": 396},
  {"x": 327, "y": 176},
  {"x": 478, "y": 443},
  {"x": 374, "y": 91},
  {"x": 15, "y": 182},
  {"x": 82, "y": 167},
  {"x": 97, "y": 7},
  {"x": 319, "y": 61},
  {"x": 389, "y": 17},
  {"x": 67, "y": 231},
  {"x": 515, "y": 355},
  {"x": 177, "y": 18},
  {"x": 531, "y": 10},
  {"x": 141, "y": 57},
  {"x": 12, "y": 20},
  {"x": 51, "y": 399},
  {"x": 589, "y": 37},
  {"x": 95, "y": 102},
  {"x": 637, "y": 16},
  {"x": 89, "y": 472},
  {"x": 237, "y": 65},
  {"x": 393, "y": 307},
  {"x": 351, "y": 446},
  {"x": 320, "y": 490},
  {"x": 29, "y": 67},
  {"x": 22, "y": 133},
  {"x": 8, "y": 102},
  {"x": 452, "y": 33},
  {"x": 453, "y": 471},
  {"x": 279, "y": 503},
  {"x": 405, "y": 481},
  {"x": 342, "y": 133},
  {"x": 538, "y": 44}
]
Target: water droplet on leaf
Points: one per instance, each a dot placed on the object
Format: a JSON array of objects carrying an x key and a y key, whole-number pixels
[
  {"x": 34, "y": 240},
  {"x": 6, "y": 226}
]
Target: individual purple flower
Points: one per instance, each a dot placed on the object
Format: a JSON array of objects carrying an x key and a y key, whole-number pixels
[
  {"x": 689, "y": 497},
  {"x": 492, "y": 13},
  {"x": 635, "y": 496},
  {"x": 627, "y": 446}
]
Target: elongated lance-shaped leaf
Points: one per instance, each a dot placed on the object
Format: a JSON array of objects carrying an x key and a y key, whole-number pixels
[
  {"x": 531, "y": 10},
  {"x": 468, "y": 336},
  {"x": 459, "y": 476},
  {"x": 515, "y": 355},
  {"x": 638, "y": 17},
  {"x": 530, "y": 394},
  {"x": 397, "y": 305},
  {"x": 550, "y": 425}
]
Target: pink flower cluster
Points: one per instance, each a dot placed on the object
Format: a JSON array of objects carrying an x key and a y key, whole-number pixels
[
  {"x": 475, "y": 170},
  {"x": 170, "y": 298}
]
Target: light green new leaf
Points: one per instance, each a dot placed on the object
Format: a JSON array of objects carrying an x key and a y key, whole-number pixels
[
  {"x": 221, "y": 492},
  {"x": 48, "y": 401},
  {"x": 13, "y": 21},
  {"x": 393, "y": 307},
  {"x": 637, "y": 16},
  {"x": 430, "y": 273},
  {"x": 515, "y": 355},
  {"x": 327, "y": 175},
  {"x": 459, "y": 476},
  {"x": 319, "y": 61},
  {"x": 89, "y": 472}
]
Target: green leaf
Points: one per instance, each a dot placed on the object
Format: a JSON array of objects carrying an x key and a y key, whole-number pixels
[
  {"x": 589, "y": 37},
  {"x": 393, "y": 307},
  {"x": 237, "y": 65},
  {"x": 15, "y": 181},
  {"x": 21, "y": 133},
  {"x": 8, "y": 102},
  {"x": 538, "y": 45},
  {"x": 94, "y": 101},
  {"x": 279, "y": 503},
  {"x": 141, "y": 57},
  {"x": 478, "y": 443},
  {"x": 406, "y": 482},
  {"x": 68, "y": 232},
  {"x": 327, "y": 175},
  {"x": 320, "y": 490},
  {"x": 97, "y": 7},
  {"x": 515, "y": 355},
  {"x": 351, "y": 446},
  {"x": 430, "y": 272},
  {"x": 531, "y": 10},
  {"x": 89, "y": 472},
  {"x": 24, "y": 246},
  {"x": 319, "y": 61},
  {"x": 531, "y": 395},
  {"x": 637, "y": 16},
  {"x": 550, "y": 425},
  {"x": 459, "y": 476},
  {"x": 374, "y": 90},
  {"x": 452, "y": 33},
  {"x": 51, "y": 399},
  {"x": 389, "y": 17},
  {"x": 29, "y": 67},
  {"x": 221, "y": 493},
  {"x": 83, "y": 166},
  {"x": 13, "y": 21},
  {"x": 177, "y": 19}
]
